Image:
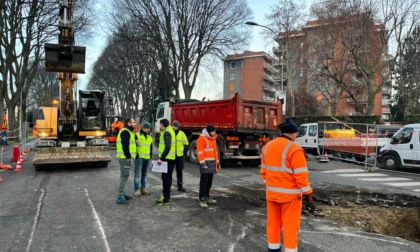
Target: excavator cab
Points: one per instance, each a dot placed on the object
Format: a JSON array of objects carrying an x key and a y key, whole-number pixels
[{"x": 91, "y": 112}]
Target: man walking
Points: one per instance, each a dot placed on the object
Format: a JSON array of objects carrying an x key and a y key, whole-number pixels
[
  {"x": 181, "y": 144},
  {"x": 141, "y": 163},
  {"x": 208, "y": 159},
  {"x": 126, "y": 150},
  {"x": 285, "y": 175},
  {"x": 166, "y": 154}
]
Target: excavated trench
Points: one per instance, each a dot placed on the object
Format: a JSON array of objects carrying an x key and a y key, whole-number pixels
[{"x": 394, "y": 215}]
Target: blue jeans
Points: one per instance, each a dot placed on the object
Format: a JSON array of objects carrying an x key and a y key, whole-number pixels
[{"x": 140, "y": 164}]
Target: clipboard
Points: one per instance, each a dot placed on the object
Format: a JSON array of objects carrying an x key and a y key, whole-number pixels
[{"x": 163, "y": 168}]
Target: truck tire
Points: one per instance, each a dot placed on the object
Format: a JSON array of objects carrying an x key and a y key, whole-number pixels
[
  {"x": 193, "y": 152},
  {"x": 391, "y": 162},
  {"x": 360, "y": 158}
]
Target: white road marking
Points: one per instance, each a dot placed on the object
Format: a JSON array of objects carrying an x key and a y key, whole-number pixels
[
  {"x": 98, "y": 222},
  {"x": 416, "y": 190},
  {"x": 385, "y": 179},
  {"x": 363, "y": 175},
  {"x": 404, "y": 184},
  {"x": 343, "y": 171},
  {"x": 36, "y": 218},
  {"x": 385, "y": 239}
]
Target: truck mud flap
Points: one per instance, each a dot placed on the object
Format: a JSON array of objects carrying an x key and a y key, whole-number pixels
[
  {"x": 62, "y": 59},
  {"x": 68, "y": 155}
]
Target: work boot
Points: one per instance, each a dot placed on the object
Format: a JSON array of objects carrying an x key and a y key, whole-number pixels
[
  {"x": 162, "y": 201},
  {"x": 211, "y": 201},
  {"x": 144, "y": 192},
  {"x": 274, "y": 250},
  {"x": 203, "y": 204},
  {"x": 181, "y": 188},
  {"x": 122, "y": 201},
  {"x": 137, "y": 193},
  {"x": 126, "y": 197}
]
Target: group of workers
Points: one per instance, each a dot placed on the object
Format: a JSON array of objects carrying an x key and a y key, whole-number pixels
[
  {"x": 173, "y": 146},
  {"x": 283, "y": 169}
]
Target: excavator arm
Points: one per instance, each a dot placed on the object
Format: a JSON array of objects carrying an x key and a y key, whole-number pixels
[{"x": 65, "y": 56}]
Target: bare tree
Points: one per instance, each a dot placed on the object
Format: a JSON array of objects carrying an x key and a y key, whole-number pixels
[
  {"x": 363, "y": 29},
  {"x": 286, "y": 16},
  {"x": 183, "y": 32},
  {"x": 44, "y": 87}
]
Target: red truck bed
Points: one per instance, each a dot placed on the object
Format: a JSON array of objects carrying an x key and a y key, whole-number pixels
[{"x": 234, "y": 114}]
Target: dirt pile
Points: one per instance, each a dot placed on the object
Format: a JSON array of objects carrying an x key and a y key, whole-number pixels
[
  {"x": 389, "y": 214},
  {"x": 394, "y": 215}
]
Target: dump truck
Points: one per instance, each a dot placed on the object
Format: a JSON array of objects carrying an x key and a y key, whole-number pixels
[
  {"x": 73, "y": 129},
  {"x": 243, "y": 126}
]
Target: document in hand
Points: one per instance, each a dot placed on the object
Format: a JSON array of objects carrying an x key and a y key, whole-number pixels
[{"x": 162, "y": 168}]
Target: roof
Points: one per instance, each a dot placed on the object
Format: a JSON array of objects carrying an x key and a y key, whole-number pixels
[{"x": 247, "y": 54}]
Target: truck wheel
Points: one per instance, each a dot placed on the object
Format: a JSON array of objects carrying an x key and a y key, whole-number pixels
[
  {"x": 360, "y": 158},
  {"x": 391, "y": 162},
  {"x": 193, "y": 152}
]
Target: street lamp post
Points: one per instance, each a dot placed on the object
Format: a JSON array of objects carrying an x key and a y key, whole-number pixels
[{"x": 281, "y": 58}]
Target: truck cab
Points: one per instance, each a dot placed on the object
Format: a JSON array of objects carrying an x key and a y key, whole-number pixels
[{"x": 402, "y": 149}]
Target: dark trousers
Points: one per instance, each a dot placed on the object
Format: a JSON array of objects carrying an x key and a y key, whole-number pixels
[
  {"x": 206, "y": 181},
  {"x": 167, "y": 179},
  {"x": 179, "y": 166}
]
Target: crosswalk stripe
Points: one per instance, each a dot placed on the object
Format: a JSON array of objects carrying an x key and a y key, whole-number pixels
[
  {"x": 384, "y": 179},
  {"x": 343, "y": 171},
  {"x": 403, "y": 184},
  {"x": 366, "y": 174}
]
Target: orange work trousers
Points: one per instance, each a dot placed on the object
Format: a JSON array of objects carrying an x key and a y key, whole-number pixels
[{"x": 286, "y": 217}]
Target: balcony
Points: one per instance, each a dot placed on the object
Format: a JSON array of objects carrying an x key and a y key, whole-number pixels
[{"x": 271, "y": 68}]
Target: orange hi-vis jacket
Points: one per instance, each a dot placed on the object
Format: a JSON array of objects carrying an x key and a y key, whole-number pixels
[
  {"x": 207, "y": 149},
  {"x": 284, "y": 170}
]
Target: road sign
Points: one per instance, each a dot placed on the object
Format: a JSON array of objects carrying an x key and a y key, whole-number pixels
[
  {"x": 4, "y": 138},
  {"x": 4, "y": 123}
]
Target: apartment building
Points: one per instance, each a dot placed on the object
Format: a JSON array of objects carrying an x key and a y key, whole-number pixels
[
  {"x": 317, "y": 62},
  {"x": 253, "y": 75}
]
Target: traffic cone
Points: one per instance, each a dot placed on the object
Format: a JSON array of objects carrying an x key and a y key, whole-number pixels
[
  {"x": 18, "y": 167},
  {"x": 326, "y": 156},
  {"x": 15, "y": 154},
  {"x": 1, "y": 180},
  {"x": 21, "y": 159}
]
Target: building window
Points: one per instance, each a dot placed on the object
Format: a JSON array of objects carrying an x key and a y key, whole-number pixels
[
  {"x": 231, "y": 86},
  {"x": 232, "y": 65},
  {"x": 231, "y": 76}
]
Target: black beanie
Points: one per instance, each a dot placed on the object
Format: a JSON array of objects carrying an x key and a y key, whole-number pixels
[
  {"x": 175, "y": 124},
  {"x": 164, "y": 122},
  {"x": 210, "y": 128},
  {"x": 288, "y": 126}
]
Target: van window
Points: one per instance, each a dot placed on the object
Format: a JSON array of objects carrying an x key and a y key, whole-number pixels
[
  {"x": 302, "y": 130},
  {"x": 404, "y": 136},
  {"x": 160, "y": 111},
  {"x": 312, "y": 130}
]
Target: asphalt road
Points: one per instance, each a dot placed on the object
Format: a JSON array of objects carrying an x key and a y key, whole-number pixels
[{"x": 73, "y": 209}]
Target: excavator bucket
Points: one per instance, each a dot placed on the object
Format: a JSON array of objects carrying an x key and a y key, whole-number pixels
[
  {"x": 100, "y": 155},
  {"x": 65, "y": 59}
]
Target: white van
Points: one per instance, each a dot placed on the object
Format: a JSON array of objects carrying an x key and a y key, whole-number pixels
[{"x": 402, "y": 149}]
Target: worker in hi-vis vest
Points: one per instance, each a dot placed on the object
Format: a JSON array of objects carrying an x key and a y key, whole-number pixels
[
  {"x": 181, "y": 147},
  {"x": 126, "y": 150},
  {"x": 285, "y": 175},
  {"x": 166, "y": 154}
]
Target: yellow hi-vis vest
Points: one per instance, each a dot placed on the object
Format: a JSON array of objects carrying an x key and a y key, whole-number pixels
[
  {"x": 181, "y": 141},
  {"x": 171, "y": 154},
  {"x": 143, "y": 149},
  {"x": 132, "y": 146}
]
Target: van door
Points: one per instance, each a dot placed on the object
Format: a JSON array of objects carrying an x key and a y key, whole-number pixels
[
  {"x": 416, "y": 143},
  {"x": 404, "y": 142},
  {"x": 302, "y": 137}
]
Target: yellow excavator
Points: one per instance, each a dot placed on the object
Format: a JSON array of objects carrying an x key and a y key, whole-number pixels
[{"x": 74, "y": 129}]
